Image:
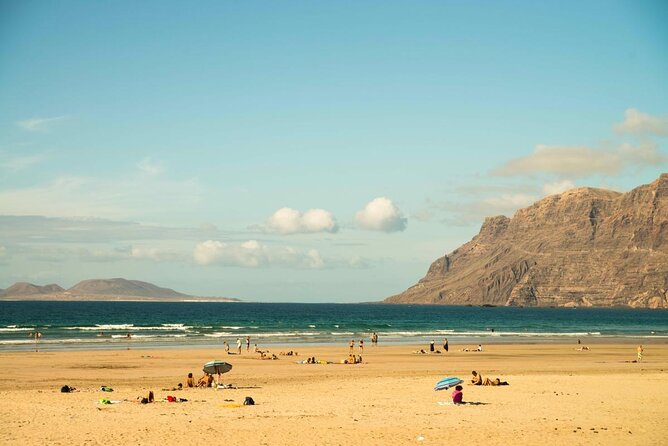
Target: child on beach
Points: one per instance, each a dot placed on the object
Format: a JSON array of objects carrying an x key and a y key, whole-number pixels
[{"x": 457, "y": 395}]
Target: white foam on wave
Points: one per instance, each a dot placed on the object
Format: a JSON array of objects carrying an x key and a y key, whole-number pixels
[
  {"x": 231, "y": 327},
  {"x": 489, "y": 333},
  {"x": 137, "y": 336},
  {"x": 130, "y": 327},
  {"x": 218, "y": 334},
  {"x": 287, "y": 333},
  {"x": 14, "y": 328}
]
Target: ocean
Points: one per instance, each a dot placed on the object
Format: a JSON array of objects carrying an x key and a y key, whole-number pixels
[{"x": 106, "y": 325}]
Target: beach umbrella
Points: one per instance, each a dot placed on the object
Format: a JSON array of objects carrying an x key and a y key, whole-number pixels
[
  {"x": 217, "y": 367},
  {"x": 446, "y": 383}
]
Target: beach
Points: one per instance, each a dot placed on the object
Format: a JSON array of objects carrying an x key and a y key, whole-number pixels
[{"x": 557, "y": 395}]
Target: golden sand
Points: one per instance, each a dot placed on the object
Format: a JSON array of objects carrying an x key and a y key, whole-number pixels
[{"x": 557, "y": 395}]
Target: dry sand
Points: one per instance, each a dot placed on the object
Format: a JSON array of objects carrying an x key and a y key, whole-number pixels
[{"x": 557, "y": 396}]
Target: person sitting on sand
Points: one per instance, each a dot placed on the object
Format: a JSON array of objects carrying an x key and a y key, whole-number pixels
[
  {"x": 476, "y": 380},
  {"x": 458, "y": 395},
  {"x": 190, "y": 381},
  {"x": 205, "y": 381},
  {"x": 146, "y": 400}
]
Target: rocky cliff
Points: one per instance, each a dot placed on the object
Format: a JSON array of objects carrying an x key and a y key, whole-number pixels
[{"x": 584, "y": 247}]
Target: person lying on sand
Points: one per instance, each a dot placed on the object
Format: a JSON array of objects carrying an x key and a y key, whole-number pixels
[
  {"x": 582, "y": 348},
  {"x": 289, "y": 353},
  {"x": 477, "y": 380},
  {"x": 420, "y": 352}
]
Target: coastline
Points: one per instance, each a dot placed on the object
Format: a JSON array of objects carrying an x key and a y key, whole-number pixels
[{"x": 556, "y": 395}]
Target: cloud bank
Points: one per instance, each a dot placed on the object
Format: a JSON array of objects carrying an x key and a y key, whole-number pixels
[
  {"x": 38, "y": 124},
  {"x": 639, "y": 123},
  {"x": 581, "y": 161},
  {"x": 291, "y": 221},
  {"x": 252, "y": 254},
  {"x": 381, "y": 214}
]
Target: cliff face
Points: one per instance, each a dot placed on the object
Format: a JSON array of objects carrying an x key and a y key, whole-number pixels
[{"x": 584, "y": 247}]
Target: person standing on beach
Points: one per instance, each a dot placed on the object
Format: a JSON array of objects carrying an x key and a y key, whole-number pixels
[
  {"x": 431, "y": 346},
  {"x": 640, "y": 350},
  {"x": 352, "y": 346},
  {"x": 227, "y": 347},
  {"x": 239, "y": 346},
  {"x": 361, "y": 346},
  {"x": 445, "y": 345},
  {"x": 247, "y": 343}
]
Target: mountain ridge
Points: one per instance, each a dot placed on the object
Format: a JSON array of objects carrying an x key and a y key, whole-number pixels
[
  {"x": 117, "y": 289},
  {"x": 583, "y": 247}
]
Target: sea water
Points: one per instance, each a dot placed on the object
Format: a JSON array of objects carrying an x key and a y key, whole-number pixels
[{"x": 106, "y": 325}]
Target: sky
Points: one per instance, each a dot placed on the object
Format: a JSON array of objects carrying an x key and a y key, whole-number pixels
[{"x": 308, "y": 151}]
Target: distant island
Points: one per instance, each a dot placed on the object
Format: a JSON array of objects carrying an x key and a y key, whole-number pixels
[
  {"x": 585, "y": 247},
  {"x": 117, "y": 289}
]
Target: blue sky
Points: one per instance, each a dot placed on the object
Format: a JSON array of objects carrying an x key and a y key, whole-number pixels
[{"x": 163, "y": 141}]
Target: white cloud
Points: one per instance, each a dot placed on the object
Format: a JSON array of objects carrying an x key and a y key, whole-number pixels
[
  {"x": 38, "y": 124},
  {"x": 506, "y": 202},
  {"x": 155, "y": 254},
  {"x": 381, "y": 214},
  {"x": 557, "y": 187},
  {"x": 150, "y": 167},
  {"x": 135, "y": 197},
  {"x": 581, "y": 161},
  {"x": 291, "y": 221},
  {"x": 640, "y": 123},
  {"x": 253, "y": 254},
  {"x": 17, "y": 163}
]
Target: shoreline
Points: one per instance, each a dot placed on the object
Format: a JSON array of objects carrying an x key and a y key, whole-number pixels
[{"x": 455, "y": 343}]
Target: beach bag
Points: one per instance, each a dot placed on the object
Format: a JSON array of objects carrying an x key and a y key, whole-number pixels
[{"x": 249, "y": 401}]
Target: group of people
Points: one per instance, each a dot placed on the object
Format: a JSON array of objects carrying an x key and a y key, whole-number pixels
[
  {"x": 476, "y": 380},
  {"x": 205, "y": 381},
  {"x": 238, "y": 343},
  {"x": 351, "y": 346},
  {"x": 432, "y": 346}
]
